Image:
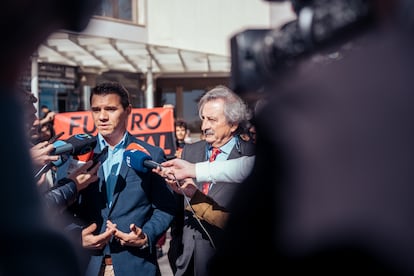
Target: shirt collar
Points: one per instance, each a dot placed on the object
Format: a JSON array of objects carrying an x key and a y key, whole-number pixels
[
  {"x": 227, "y": 147},
  {"x": 103, "y": 143}
]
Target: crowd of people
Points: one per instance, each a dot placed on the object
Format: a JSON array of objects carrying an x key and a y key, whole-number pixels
[
  {"x": 324, "y": 188},
  {"x": 120, "y": 242}
]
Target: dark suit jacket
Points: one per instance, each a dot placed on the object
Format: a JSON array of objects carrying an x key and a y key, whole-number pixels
[
  {"x": 140, "y": 198},
  {"x": 194, "y": 239}
]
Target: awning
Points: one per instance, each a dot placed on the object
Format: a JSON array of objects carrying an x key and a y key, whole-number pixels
[{"x": 100, "y": 54}]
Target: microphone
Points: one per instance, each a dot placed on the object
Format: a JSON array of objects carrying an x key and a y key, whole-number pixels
[
  {"x": 138, "y": 158},
  {"x": 63, "y": 157},
  {"x": 76, "y": 145}
]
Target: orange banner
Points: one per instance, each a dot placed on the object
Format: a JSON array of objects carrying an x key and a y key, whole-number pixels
[{"x": 152, "y": 125}]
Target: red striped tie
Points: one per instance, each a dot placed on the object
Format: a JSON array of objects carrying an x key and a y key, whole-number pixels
[{"x": 214, "y": 153}]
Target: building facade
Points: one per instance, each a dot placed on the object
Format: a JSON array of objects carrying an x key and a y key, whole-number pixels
[{"x": 164, "y": 52}]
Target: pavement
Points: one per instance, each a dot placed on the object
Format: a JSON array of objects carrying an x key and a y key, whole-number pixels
[{"x": 163, "y": 261}]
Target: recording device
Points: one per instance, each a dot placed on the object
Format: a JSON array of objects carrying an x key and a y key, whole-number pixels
[
  {"x": 98, "y": 156},
  {"x": 62, "y": 157},
  {"x": 56, "y": 137},
  {"x": 76, "y": 145},
  {"x": 258, "y": 56},
  {"x": 138, "y": 158}
]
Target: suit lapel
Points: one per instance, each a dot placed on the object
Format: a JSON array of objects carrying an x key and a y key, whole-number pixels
[{"x": 120, "y": 181}]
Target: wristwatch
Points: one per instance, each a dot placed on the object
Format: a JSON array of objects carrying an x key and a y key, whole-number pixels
[{"x": 145, "y": 245}]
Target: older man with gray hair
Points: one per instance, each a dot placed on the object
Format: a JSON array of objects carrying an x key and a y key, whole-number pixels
[{"x": 223, "y": 114}]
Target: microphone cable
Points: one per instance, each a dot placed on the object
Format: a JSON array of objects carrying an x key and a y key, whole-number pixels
[{"x": 193, "y": 211}]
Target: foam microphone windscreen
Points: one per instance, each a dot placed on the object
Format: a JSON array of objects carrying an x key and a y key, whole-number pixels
[
  {"x": 61, "y": 147},
  {"x": 135, "y": 156},
  {"x": 62, "y": 157},
  {"x": 136, "y": 146}
]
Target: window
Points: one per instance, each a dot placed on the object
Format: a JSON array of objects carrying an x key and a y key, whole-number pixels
[
  {"x": 189, "y": 105},
  {"x": 125, "y": 10}
]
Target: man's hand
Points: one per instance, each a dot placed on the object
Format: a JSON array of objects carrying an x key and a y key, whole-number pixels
[
  {"x": 135, "y": 238},
  {"x": 179, "y": 167},
  {"x": 187, "y": 187},
  {"x": 84, "y": 175},
  {"x": 40, "y": 154},
  {"x": 91, "y": 241}
]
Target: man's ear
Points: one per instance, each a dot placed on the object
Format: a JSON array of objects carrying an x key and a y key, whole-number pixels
[{"x": 234, "y": 127}]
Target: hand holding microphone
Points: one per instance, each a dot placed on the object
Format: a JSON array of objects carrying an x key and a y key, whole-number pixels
[
  {"x": 180, "y": 168},
  {"x": 85, "y": 175},
  {"x": 138, "y": 158},
  {"x": 76, "y": 145},
  {"x": 40, "y": 154}
]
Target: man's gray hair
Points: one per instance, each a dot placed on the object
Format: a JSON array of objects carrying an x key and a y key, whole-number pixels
[{"x": 235, "y": 110}]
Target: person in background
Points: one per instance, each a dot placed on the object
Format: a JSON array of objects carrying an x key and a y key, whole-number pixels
[
  {"x": 249, "y": 133},
  {"x": 125, "y": 213},
  {"x": 44, "y": 110},
  {"x": 47, "y": 115},
  {"x": 252, "y": 133},
  {"x": 30, "y": 244},
  {"x": 181, "y": 130},
  {"x": 46, "y": 123}
]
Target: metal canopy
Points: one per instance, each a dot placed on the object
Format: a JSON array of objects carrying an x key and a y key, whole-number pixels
[{"x": 99, "y": 54}]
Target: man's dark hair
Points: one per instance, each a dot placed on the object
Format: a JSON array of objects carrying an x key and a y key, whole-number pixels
[
  {"x": 112, "y": 88},
  {"x": 180, "y": 123}
]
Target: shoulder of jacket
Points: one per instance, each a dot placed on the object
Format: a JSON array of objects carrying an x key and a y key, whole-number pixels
[
  {"x": 147, "y": 146},
  {"x": 246, "y": 148},
  {"x": 199, "y": 143}
]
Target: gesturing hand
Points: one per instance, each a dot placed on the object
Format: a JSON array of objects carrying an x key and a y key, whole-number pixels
[
  {"x": 135, "y": 238},
  {"x": 91, "y": 241}
]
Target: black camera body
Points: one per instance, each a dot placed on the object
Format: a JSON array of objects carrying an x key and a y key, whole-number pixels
[{"x": 259, "y": 56}]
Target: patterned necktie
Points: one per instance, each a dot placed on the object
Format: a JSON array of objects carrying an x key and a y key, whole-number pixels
[{"x": 214, "y": 153}]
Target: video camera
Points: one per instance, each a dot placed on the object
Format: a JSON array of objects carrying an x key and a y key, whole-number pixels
[{"x": 259, "y": 56}]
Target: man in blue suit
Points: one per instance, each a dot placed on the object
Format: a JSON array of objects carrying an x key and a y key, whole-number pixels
[{"x": 126, "y": 211}]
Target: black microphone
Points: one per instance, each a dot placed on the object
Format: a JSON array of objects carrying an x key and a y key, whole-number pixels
[
  {"x": 138, "y": 158},
  {"x": 76, "y": 145}
]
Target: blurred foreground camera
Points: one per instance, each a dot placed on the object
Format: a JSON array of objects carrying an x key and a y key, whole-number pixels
[{"x": 258, "y": 56}]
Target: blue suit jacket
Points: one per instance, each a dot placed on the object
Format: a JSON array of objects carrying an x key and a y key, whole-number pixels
[{"x": 140, "y": 198}]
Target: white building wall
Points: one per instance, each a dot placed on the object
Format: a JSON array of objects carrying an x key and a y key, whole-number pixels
[
  {"x": 207, "y": 25},
  {"x": 117, "y": 30}
]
